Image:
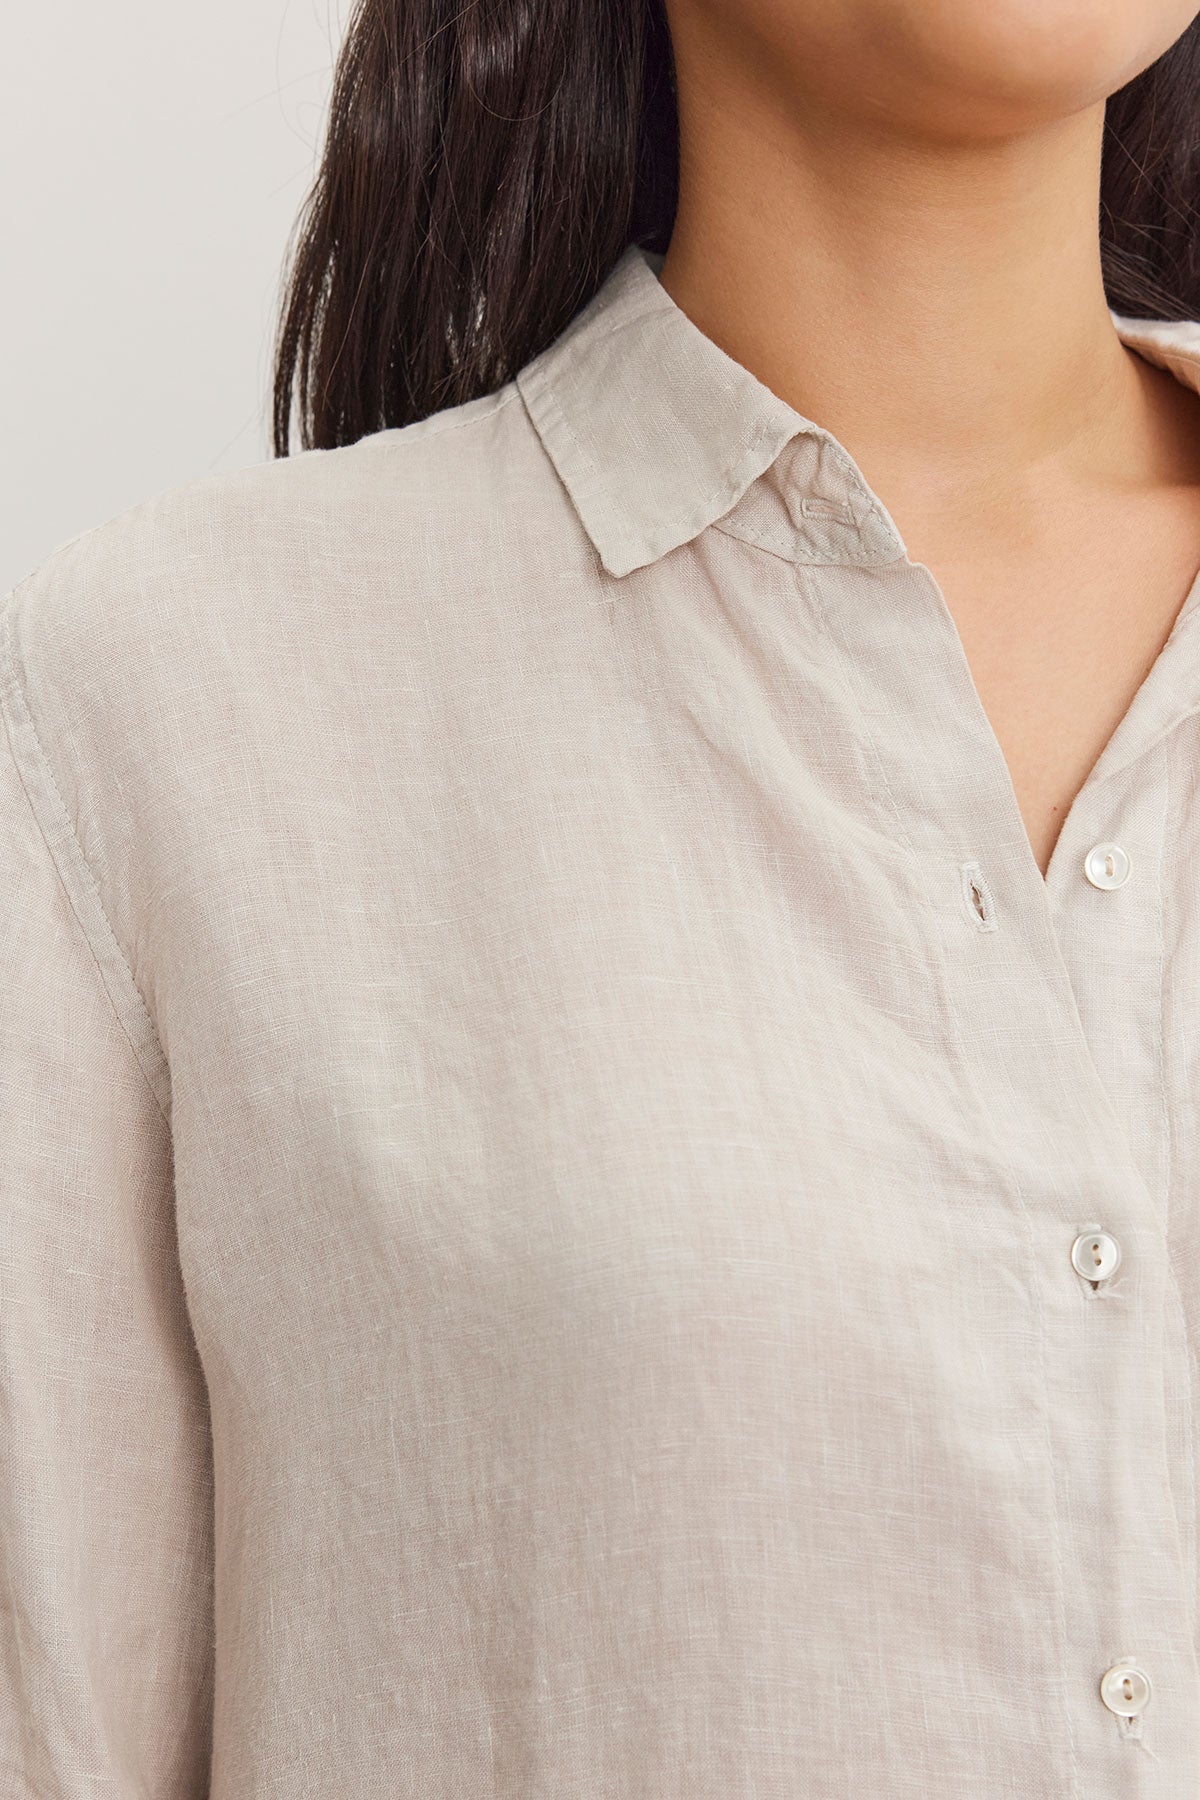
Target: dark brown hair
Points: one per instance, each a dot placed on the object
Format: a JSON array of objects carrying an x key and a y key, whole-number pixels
[{"x": 485, "y": 165}]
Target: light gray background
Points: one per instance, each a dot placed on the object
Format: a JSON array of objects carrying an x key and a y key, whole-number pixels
[{"x": 153, "y": 156}]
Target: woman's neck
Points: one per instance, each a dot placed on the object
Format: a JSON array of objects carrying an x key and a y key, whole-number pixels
[{"x": 939, "y": 306}]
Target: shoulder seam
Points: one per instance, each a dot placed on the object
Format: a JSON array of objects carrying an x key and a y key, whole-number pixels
[
  {"x": 438, "y": 426},
  {"x": 75, "y": 873}
]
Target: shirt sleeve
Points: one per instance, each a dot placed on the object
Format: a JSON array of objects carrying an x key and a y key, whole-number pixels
[{"x": 106, "y": 1660}]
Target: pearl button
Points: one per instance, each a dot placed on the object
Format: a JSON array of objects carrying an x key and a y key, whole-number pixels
[
  {"x": 1095, "y": 1255},
  {"x": 1106, "y": 865},
  {"x": 1125, "y": 1690}
]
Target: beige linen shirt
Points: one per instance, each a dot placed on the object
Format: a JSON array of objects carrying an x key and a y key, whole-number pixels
[{"x": 561, "y": 1165}]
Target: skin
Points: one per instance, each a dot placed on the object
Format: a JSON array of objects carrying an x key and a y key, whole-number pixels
[{"x": 889, "y": 214}]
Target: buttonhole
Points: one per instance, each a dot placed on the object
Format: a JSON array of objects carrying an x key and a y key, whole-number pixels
[
  {"x": 827, "y": 509},
  {"x": 978, "y": 897}
]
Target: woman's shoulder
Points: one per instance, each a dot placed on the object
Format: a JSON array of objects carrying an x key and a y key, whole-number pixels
[
  {"x": 229, "y": 611},
  {"x": 209, "y": 574},
  {"x": 275, "y": 516}
]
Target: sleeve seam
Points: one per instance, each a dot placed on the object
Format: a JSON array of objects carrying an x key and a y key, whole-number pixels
[{"x": 75, "y": 874}]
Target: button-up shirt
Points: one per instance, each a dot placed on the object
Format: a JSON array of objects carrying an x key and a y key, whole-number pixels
[{"x": 578, "y": 1218}]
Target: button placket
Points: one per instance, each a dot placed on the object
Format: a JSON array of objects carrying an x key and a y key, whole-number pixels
[
  {"x": 1124, "y": 1688},
  {"x": 1051, "y": 1014}
]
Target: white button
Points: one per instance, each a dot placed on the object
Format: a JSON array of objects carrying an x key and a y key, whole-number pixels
[
  {"x": 1106, "y": 865},
  {"x": 1125, "y": 1690},
  {"x": 1095, "y": 1255}
]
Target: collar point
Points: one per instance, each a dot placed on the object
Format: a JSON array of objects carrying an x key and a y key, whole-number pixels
[{"x": 622, "y": 562}]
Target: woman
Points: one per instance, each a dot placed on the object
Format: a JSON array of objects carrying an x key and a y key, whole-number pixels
[{"x": 600, "y": 1163}]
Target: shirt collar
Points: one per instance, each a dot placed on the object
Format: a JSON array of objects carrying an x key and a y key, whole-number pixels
[{"x": 656, "y": 432}]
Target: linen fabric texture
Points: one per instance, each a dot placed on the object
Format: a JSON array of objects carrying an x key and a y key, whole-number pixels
[{"x": 545, "y": 1103}]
